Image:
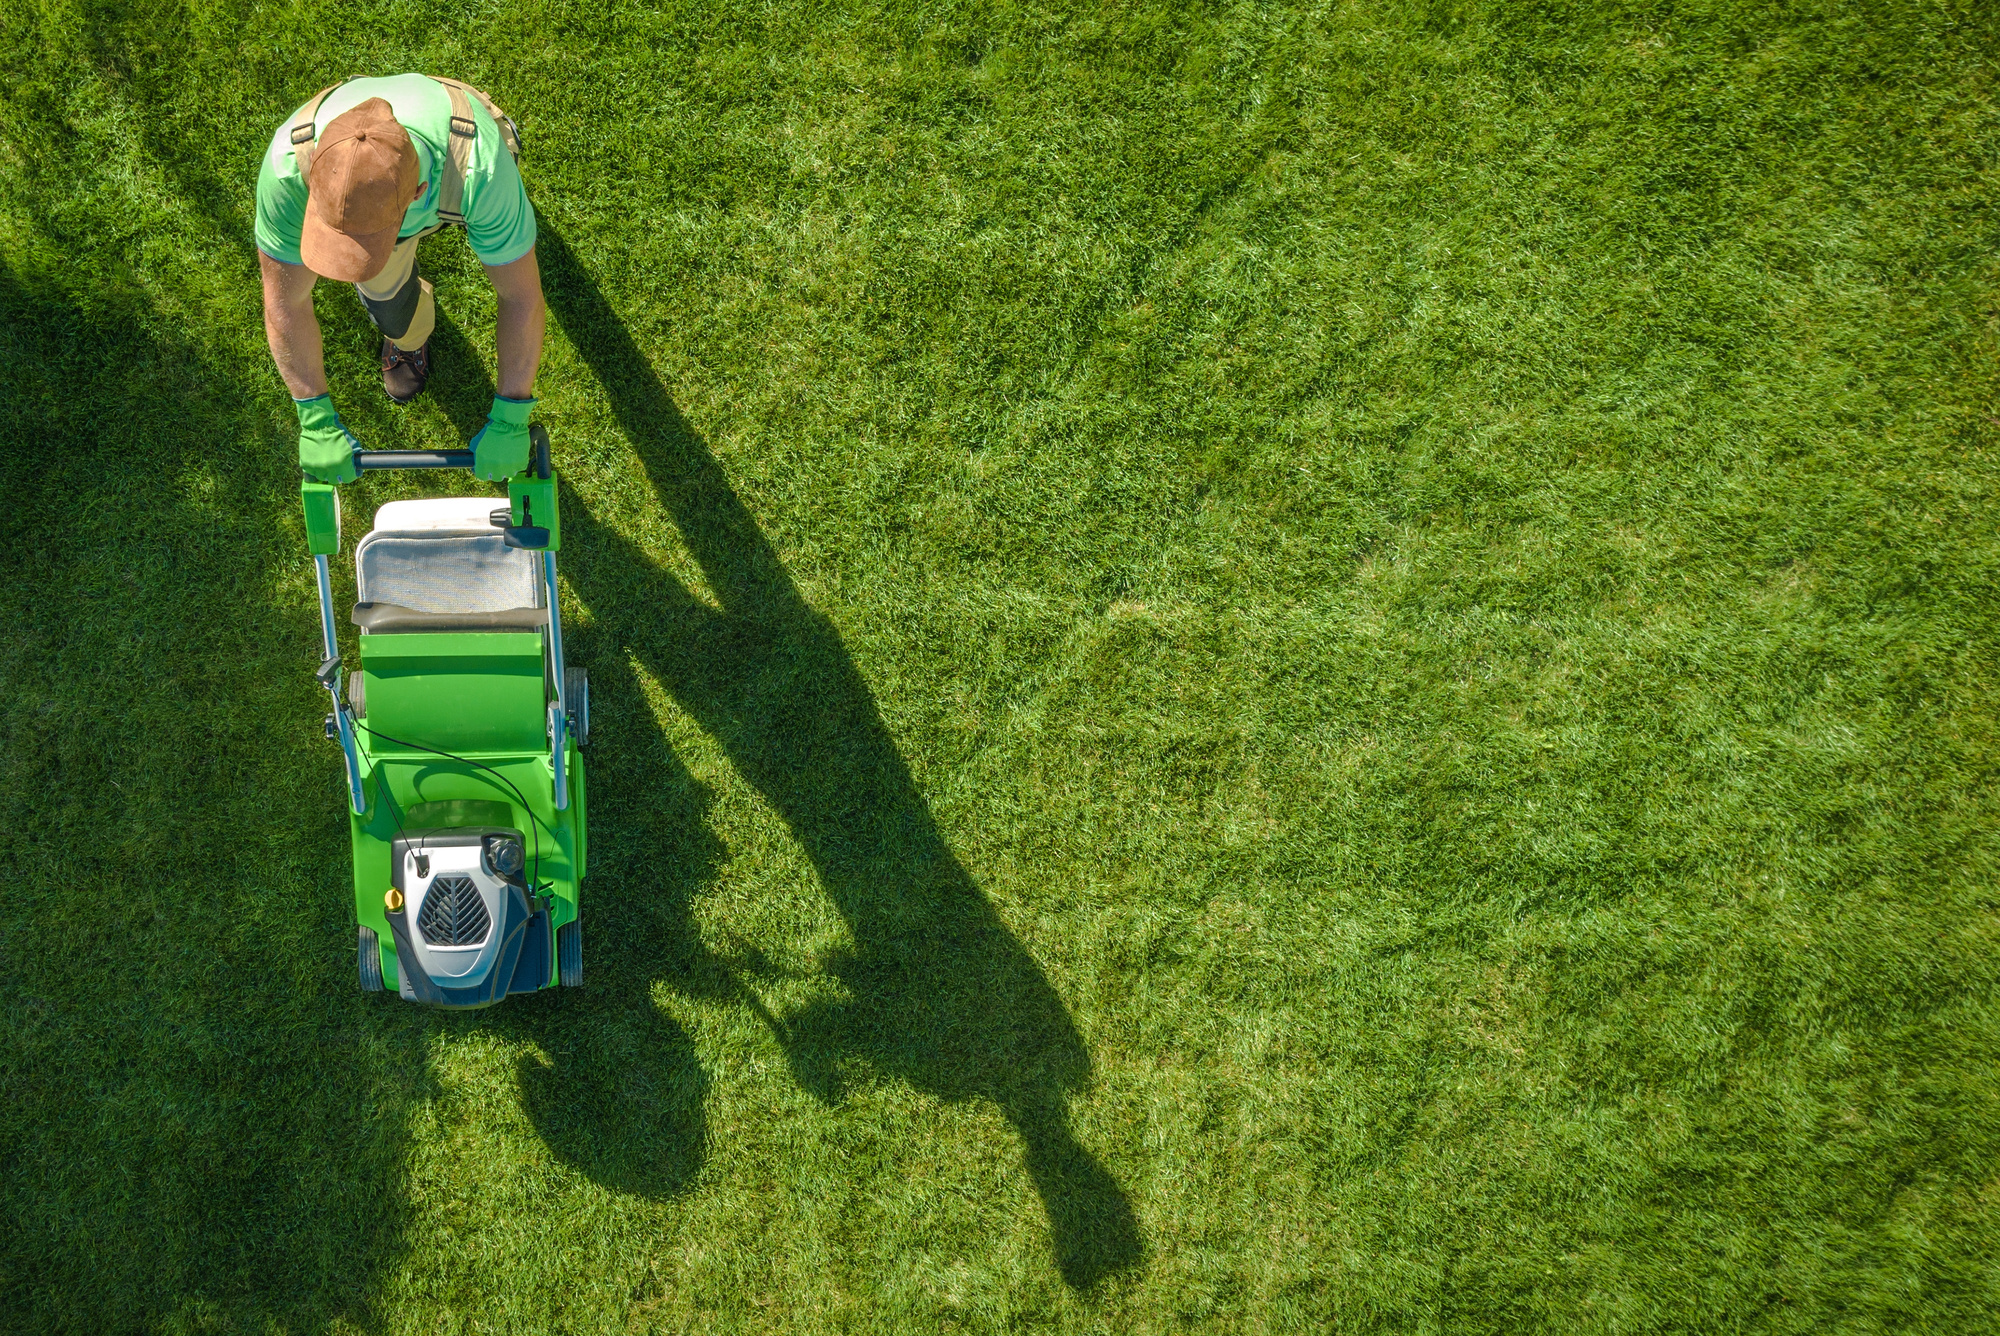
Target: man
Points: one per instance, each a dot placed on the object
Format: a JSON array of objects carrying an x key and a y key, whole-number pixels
[{"x": 351, "y": 182}]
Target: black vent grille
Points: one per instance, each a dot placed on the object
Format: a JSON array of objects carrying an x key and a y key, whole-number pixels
[{"x": 454, "y": 913}]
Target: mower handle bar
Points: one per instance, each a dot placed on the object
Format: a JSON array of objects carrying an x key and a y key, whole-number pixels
[{"x": 370, "y": 461}]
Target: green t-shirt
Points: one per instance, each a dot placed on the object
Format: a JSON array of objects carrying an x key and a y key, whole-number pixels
[{"x": 498, "y": 219}]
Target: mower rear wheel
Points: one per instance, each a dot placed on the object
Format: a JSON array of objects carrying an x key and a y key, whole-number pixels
[
  {"x": 576, "y": 685},
  {"x": 569, "y": 953},
  {"x": 357, "y": 696},
  {"x": 370, "y": 959}
]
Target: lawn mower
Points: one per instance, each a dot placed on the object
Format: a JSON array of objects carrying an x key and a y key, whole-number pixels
[{"x": 460, "y": 735}]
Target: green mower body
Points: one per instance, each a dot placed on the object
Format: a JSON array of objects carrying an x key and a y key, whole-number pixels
[{"x": 461, "y": 736}]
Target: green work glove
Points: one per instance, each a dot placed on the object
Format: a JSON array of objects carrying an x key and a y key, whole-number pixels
[
  {"x": 326, "y": 446},
  {"x": 500, "y": 449}
]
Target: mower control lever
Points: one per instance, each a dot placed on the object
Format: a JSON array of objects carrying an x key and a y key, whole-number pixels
[
  {"x": 530, "y": 536},
  {"x": 328, "y": 671}
]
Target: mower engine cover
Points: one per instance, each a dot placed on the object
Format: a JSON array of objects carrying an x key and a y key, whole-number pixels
[{"x": 470, "y": 924}]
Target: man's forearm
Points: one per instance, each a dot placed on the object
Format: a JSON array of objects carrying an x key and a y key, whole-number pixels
[
  {"x": 520, "y": 323},
  {"x": 517, "y": 340},
  {"x": 296, "y": 348},
  {"x": 291, "y": 327}
]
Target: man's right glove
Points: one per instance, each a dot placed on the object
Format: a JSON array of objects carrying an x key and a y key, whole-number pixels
[
  {"x": 500, "y": 448},
  {"x": 326, "y": 446}
]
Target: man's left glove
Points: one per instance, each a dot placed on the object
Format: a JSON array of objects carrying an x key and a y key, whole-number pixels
[
  {"x": 500, "y": 449},
  {"x": 326, "y": 446}
]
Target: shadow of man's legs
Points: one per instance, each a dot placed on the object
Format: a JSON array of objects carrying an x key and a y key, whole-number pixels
[{"x": 940, "y": 993}]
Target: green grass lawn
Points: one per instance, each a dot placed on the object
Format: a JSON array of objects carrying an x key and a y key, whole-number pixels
[{"x": 1255, "y": 669}]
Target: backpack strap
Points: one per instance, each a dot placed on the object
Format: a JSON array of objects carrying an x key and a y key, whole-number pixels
[
  {"x": 510, "y": 133},
  {"x": 305, "y": 130},
  {"x": 458, "y": 151},
  {"x": 457, "y": 154}
]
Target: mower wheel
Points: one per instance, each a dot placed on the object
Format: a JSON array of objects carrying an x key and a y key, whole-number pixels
[
  {"x": 576, "y": 681},
  {"x": 569, "y": 953},
  {"x": 357, "y": 695},
  {"x": 370, "y": 956}
]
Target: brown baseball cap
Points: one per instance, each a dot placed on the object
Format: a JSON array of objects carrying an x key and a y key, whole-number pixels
[{"x": 364, "y": 175}]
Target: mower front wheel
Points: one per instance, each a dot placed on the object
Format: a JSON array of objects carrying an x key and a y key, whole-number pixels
[
  {"x": 569, "y": 953},
  {"x": 369, "y": 957}
]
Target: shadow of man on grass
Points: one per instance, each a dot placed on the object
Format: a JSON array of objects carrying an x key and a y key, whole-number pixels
[
  {"x": 939, "y": 992},
  {"x": 616, "y": 1088}
]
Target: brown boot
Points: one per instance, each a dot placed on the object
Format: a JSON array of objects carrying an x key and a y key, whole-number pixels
[{"x": 404, "y": 373}]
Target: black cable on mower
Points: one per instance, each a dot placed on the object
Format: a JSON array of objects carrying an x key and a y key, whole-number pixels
[{"x": 534, "y": 826}]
